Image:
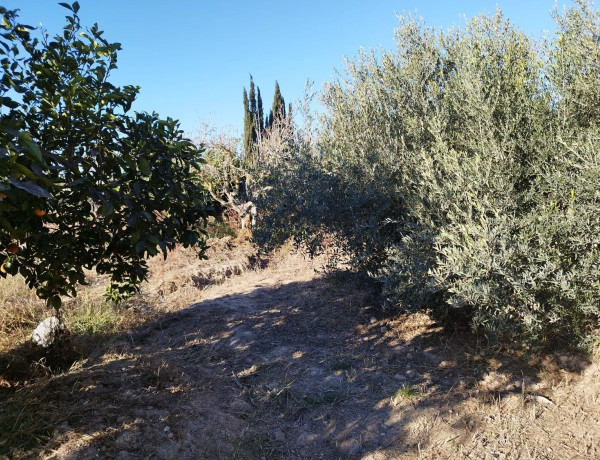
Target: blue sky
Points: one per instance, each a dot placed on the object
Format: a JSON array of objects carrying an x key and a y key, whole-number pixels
[{"x": 192, "y": 59}]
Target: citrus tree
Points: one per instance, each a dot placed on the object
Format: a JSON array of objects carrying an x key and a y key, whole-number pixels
[{"x": 83, "y": 183}]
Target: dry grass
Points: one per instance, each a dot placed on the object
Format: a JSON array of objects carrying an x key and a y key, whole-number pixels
[
  {"x": 173, "y": 284},
  {"x": 20, "y": 311},
  {"x": 28, "y": 374},
  {"x": 278, "y": 363}
]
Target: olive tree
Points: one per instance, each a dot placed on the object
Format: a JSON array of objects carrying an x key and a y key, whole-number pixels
[{"x": 461, "y": 171}]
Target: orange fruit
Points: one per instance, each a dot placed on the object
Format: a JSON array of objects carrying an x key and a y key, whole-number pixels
[
  {"x": 39, "y": 212},
  {"x": 12, "y": 248},
  {"x": 3, "y": 195}
]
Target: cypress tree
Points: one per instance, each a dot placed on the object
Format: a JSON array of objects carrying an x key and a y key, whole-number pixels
[
  {"x": 253, "y": 108},
  {"x": 259, "y": 113},
  {"x": 246, "y": 113},
  {"x": 255, "y": 119},
  {"x": 248, "y": 127},
  {"x": 278, "y": 104}
]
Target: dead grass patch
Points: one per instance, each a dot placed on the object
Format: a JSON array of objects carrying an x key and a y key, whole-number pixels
[
  {"x": 96, "y": 326},
  {"x": 287, "y": 363}
]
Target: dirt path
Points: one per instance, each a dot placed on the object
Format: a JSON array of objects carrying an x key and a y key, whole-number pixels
[{"x": 283, "y": 363}]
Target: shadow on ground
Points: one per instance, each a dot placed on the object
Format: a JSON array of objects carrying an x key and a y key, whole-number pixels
[{"x": 284, "y": 370}]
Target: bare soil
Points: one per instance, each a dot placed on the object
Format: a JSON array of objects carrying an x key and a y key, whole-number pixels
[{"x": 284, "y": 362}]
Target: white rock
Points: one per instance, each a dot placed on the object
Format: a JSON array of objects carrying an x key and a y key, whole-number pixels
[{"x": 45, "y": 332}]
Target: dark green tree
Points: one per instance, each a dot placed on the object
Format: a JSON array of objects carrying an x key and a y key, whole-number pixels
[
  {"x": 252, "y": 95},
  {"x": 260, "y": 114},
  {"x": 84, "y": 184},
  {"x": 255, "y": 121},
  {"x": 252, "y": 122},
  {"x": 278, "y": 110},
  {"x": 248, "y": 127}
]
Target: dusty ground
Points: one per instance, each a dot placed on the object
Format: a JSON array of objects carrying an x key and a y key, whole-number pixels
[{"x": 286, "y": 363}]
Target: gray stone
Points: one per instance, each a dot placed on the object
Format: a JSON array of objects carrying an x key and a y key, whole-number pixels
[
  {"x": 353, "y": 449},
  {"x": 89, "y": 453},
  {"x": 127, "y": 439},
  {"x": 433, "y": 359},
  {"x": 279, "y": 436}
]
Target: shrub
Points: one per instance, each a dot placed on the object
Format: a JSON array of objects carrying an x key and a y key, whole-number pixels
[{"x": 462, "y": 171}]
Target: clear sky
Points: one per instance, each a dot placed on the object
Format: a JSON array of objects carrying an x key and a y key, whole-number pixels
[{"x": 192, "y": 59}]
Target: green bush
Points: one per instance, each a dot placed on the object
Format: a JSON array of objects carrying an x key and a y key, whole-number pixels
[
  {"x": 462, "y": 170},
  {"x": 83, "y": 184}
]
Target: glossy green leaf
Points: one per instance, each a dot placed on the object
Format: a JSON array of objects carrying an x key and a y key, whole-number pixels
[
  {"x": 31, "y": 188},
  {"x": 31, "y": 148},
  {"x": 144, "y": 167}
]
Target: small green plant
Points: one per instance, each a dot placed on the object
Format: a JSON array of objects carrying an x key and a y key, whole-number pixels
[
  {"x": 327, "y": 397},
  {"x": 93, "y": 318},
  {"x": 219, "y": 229},
  {"x": 279, "y": 395},
  {"x": 342, "y": 365},
  {"x": 406, "y": 392}
]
